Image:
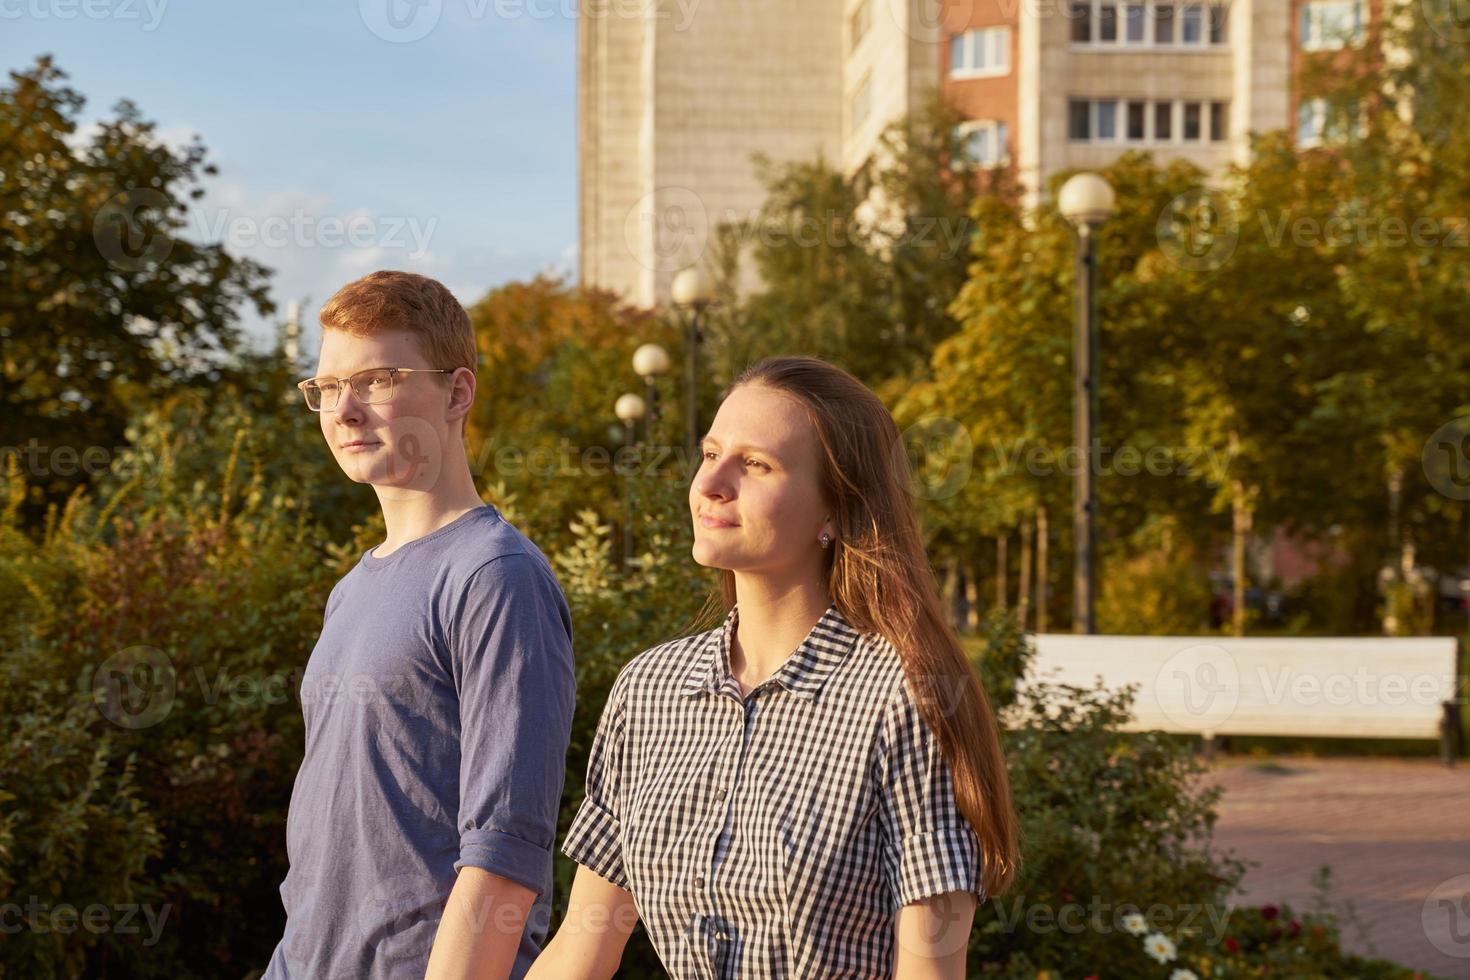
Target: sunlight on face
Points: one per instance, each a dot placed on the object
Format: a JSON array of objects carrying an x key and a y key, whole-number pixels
[
  {"x": 756, "y": 501},
  {"x": 399, "y": 443}
]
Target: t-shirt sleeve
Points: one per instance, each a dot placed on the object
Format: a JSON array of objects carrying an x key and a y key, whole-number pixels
[
  {"x": 929, "y": 848},
  {"x": 595, "y": 838},
  {"x": 510, "y": 647}
]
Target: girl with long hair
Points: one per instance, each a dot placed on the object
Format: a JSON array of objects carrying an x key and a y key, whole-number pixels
[{"x": 814, "y": 787}]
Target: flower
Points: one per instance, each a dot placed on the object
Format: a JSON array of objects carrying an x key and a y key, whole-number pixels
[
  {"x": 1269, "y": 912},
  {"x": 1182, "y": 974},
  {"x": 1231, "y": 944},
  {"x": 1293, "y": 928},
  {"x": 1135, "y": 924},
  {"x": 1157, "y": 945}
]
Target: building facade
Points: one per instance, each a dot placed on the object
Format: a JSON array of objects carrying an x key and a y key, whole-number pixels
[{"x": 676, "y": 98}]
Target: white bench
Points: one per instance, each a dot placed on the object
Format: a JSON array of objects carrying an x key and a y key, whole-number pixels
[{"x": 1344, "y": 687}]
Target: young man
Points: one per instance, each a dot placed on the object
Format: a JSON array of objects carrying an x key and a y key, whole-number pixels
[{"x": 438, "y": 700}]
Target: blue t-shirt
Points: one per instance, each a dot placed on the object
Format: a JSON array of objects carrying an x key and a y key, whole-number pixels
[{"x": 438, "y": 708}]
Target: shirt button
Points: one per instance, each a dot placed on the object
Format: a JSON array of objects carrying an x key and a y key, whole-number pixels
[
  {"x": 719, "y": 794},
  {"x": 699, "y": 881}
]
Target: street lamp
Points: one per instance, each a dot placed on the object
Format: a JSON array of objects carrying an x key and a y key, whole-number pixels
[
  {"x": 651, "y": 362},
  {"x": 693, "y": 290},
  {"x": 629, "y": 409},
  {"x": 1086, "y": 201}
]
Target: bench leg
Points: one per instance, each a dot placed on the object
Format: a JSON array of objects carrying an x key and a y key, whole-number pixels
[
  {"x": 1450, "y": 748},
  {"x": 1208, "y": 744}
]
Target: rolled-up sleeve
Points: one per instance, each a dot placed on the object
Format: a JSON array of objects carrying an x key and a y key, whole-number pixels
[
  {"x": 929, "y": 848},
  {"x": 594, "y": 839},
  {"x": 511, "y": 649}
]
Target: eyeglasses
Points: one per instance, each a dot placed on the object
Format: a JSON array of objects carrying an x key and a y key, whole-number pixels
[{"x": 372, "y": 386}]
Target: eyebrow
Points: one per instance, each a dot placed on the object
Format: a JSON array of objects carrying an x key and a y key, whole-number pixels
[{"x": 743, "y": 447}]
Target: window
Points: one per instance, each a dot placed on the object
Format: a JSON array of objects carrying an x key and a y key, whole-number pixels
[
  {"x": 1078, "y": 120},
  {"x": 1218, "y": 14},
  {"x": 1330, "y": 24},
  {"x": 1107, "y": 23},
  {"x": 980, "y": 53},
  {"x": 862, "y": 101},
  {"x": 859, "y": 22},
  {"x": 1136, "y": 16},
  {"x": 1081, "y": 14},
  {"x": 1164, "y": 23},
  {"x": 1107, "y": 119},
  {"x": 1318, "y": 122},
  {"x": 1163, "y": 120},
  {"x": 1191, "y": 27},
  {"x": 1219, "y": 120},
  {"x": 984, "y": 141},
  {"x": 1137, "y": 117},
  {"x": 1192, "y": 121}
]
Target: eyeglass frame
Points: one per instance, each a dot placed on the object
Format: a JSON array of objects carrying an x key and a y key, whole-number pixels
[{"x": 393, "y": 373}]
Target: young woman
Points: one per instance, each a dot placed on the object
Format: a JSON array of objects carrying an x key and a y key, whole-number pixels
[{"x": 814, "y": 788}]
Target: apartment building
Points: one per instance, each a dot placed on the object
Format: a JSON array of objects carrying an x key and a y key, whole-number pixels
[{"x": 676, "y": 96}]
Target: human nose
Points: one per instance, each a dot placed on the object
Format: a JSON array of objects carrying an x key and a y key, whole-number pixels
[{"x": 713, "y": 480}]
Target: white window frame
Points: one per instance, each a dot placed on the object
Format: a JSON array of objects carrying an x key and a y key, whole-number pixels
[
  {"x": 1321, "y": 117},
  {"x": 994, "y": 42},
  {"x": 997, "y": 132},
  {"x": 1121, "y": 43},
  {"x": 1150, "y": 130},
  {"x": 1311, "y": 25}
]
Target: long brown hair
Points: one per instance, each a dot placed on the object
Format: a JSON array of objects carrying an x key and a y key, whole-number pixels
[{"x": 881, "y": 581}]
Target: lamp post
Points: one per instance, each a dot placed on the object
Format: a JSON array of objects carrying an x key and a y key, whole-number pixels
[
  {"x": 1086, "y": 201},
  {"x": 693, "y": 290},
  {"x": 629, "y": 409},
  {"x": 651, "y": 362}
]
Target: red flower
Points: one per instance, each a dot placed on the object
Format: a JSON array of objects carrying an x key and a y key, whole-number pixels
[
  {"x": 1067, "y": 896},
  {"x": 1269, "y": 912},
  {"x": 1231, "y": 944},
  {"x": 1292, "y": 928}
]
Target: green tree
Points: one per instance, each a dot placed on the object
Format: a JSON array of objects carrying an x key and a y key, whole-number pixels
[{"x": 103, "y": 303}]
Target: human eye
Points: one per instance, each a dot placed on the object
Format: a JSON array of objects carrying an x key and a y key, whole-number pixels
[{"x": 752, "y": 461}]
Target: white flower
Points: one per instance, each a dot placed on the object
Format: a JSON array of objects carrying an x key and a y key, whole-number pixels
[
  {"x": 1135, "y": 924},
  {"x": 1183, "y": 975},
  {"x": 1157, "y": 945}
]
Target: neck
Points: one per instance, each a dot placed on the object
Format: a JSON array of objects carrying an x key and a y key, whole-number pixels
[
  {"x": 775, "y": 617},
  {"x": 410, "y": 513}
]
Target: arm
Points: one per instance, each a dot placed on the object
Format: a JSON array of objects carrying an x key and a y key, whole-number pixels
[
  {"x": 508, "y": 640},
  {"x": 589, "y": 944},
  {"x": 481, "y": 929},
  {"x": 933, "y": 936}
]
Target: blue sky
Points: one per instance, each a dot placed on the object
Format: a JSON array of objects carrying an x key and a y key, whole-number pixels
[{"x": 442, "y": 141}]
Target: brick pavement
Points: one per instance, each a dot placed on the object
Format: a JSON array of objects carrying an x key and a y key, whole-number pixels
[{"x": 1392, "y": 830}]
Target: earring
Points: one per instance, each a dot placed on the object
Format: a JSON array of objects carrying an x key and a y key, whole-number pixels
[{"x": 826, "y": 539}]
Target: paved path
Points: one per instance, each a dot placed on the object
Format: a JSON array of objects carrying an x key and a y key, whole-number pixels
[{"x": 1393, "y": 831}]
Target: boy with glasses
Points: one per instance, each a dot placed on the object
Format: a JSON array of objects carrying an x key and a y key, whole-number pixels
[{"x": 438, "y": 699}]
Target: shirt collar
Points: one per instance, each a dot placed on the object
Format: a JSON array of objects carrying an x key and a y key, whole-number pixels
[{"x": 803, "y": 673}]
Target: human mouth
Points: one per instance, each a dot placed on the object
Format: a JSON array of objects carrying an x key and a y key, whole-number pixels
[
  {"x": 714, "y": 523},
  {"x": 359, "y": 445}
]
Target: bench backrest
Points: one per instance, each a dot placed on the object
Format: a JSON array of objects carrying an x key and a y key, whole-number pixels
[{"x": 1374, "y": 687}]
